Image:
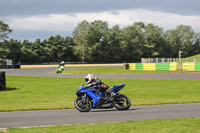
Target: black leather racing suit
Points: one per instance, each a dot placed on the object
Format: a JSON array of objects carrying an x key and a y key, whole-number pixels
[{"x": 99, "y": 85}]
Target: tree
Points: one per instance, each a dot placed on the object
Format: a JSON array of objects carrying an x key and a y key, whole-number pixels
[
  {"x": 57, "y": 48},
  {"x": 4, "y": 31},
  {"x": 89, "y": 40},
  {"x": 113, "y": 39},
  {"x": 4, "y": 49},
  {"x": 97, "y": 46},
  {"x": 180, "y": 38},
  {"x": 27, "y": 52},
  {"x": 79, "y": 38},
  {"x": 68, "y": 53},
  {"x": 53, "y": 48},
  {"x": 196, "y": 47},
  {"x": 153, "y": 41},
  {"x": 132, "y": 41},
  {"x": 14, "y": 47}
]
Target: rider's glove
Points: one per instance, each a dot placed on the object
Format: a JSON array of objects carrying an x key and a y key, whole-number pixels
[{"x": 88, "y": 86}]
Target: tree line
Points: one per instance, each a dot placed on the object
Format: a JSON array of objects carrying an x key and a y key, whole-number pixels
[{"x": 97, "y": 42}]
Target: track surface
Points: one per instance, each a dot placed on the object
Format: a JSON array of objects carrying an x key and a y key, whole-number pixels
[
  {"x": 44, "y": 72},
  {"x": 72, "y": 116}
]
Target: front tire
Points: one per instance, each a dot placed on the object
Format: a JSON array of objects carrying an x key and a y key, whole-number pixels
[
  {"x": 83, "y": 106},
  {"x": 122, "y": 102}
]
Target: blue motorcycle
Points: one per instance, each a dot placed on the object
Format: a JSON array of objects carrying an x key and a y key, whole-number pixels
[{"x": 91, "y": 97}]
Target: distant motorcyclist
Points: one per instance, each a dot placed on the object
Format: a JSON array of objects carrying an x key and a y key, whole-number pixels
[
  {"x": 61, "y": 67},
  {"x": 93, "y": 81}
]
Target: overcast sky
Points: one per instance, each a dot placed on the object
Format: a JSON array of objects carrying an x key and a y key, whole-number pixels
[{"x": 33, "y": 19}]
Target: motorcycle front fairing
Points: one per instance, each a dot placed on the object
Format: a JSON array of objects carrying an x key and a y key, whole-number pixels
[{"x": 90, "y": 93}]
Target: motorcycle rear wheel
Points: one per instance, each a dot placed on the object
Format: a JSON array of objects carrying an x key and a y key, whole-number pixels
[
  {"x": 122, "y": 102},
  {"x": 82, "y": 106}
]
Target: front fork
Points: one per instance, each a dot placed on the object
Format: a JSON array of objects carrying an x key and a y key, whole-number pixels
[{"x": 84, "y": 97}]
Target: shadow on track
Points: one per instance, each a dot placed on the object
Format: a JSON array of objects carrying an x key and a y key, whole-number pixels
[{"x": 111, "y": 110}]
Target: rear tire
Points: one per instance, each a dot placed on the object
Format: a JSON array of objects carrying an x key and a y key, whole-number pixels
[
  {"x": 83, "y": 106},
  {"x": 122, "y": 102}
]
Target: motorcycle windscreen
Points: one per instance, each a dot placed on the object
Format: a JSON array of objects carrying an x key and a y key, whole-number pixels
[{"x": 117, "y": 88}]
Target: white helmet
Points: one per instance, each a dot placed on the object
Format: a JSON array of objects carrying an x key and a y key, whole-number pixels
[
  {"x": 62, "y": 62},
  {"x": 89, "y": 78}
]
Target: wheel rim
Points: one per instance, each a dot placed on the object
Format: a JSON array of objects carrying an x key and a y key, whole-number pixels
[
  {"x": 123, "y": 103},
  {"x": 83, "y": 105}
]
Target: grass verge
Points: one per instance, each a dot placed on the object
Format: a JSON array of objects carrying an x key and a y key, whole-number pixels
[
  {"x": 34, "y": 93},
  {"x": 181, "y": 125},
  {"x": 191, "y": 59}
]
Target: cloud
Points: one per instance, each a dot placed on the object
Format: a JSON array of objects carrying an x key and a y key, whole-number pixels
[
  {"x": 37, "y": 7},
  {"x": 67, "y": 22},
  {"x": 50, "y": 22}
]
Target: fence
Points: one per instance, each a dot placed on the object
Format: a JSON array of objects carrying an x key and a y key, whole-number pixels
[
  {"x": 10, "y": 66},
  {"x": 158, "y": 60}
]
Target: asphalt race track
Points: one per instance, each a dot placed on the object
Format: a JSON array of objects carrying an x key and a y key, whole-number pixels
[
  {"x": 45, "y": 72},
  {"x": 72, "y": 116}
]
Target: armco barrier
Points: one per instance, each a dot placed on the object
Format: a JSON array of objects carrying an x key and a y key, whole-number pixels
[
  {"x": 139, "y": 66},
  {"x": 173, "y": 66},
  {"x": 191, "y": 66},
  {"x": 149, "y": 66},
  {"x": 153, "y": 66}
]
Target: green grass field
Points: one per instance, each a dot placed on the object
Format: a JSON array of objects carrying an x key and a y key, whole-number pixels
[
  {"x": 195, "y": 56},
  {"x": 182, "y": 125},
  {"x": 191, "y": 59},
  {"x": 33, "y": 93}
]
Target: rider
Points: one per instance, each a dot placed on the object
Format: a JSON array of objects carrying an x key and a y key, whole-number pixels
[
  {"x": 62, "y": 63},
  {"x": 92, "y": 81},
  {"x": 61, "y": 67}
]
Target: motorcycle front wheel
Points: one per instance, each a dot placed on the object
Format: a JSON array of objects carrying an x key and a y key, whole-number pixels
[
  {"x": 83, "y": 106},
  {"x": 122, "y": 102}
]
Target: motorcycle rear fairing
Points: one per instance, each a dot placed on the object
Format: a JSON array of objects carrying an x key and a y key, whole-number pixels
[{"x": 117, "y": 88}]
